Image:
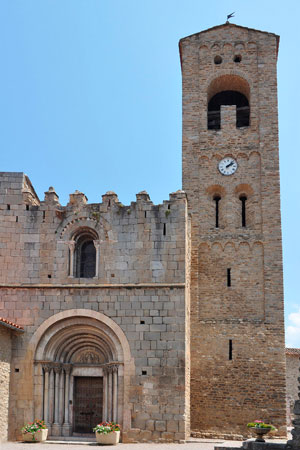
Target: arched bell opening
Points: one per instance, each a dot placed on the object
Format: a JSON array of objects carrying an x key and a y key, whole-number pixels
[
  {"x": 79, "y": 373},
  {"x": 228, "y": 90}
]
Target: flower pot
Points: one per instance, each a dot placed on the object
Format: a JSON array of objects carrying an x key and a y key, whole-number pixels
[
  {"x": 260, "y": 432},
  {"x": 111, "y": 438},
  {"x": 38, "y": 436}
]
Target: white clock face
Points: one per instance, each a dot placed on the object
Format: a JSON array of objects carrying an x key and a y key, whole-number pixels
[{"x": 227, "y": 166}]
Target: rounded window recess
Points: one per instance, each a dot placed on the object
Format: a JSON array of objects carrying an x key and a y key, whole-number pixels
[
  {"x": 237, "y": 58},
  {"x": 218, "y": 59}
]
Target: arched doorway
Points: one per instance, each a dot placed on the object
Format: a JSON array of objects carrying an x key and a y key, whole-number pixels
[{"x": 80, "y": 360}]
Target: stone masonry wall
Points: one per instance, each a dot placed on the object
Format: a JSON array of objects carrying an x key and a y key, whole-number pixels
[
  {"x": 5, "y": 358},
  {"x": 237, "y": 330},
  {"x": 140, "y": 286},
  {"x": 292, "y": 374}
]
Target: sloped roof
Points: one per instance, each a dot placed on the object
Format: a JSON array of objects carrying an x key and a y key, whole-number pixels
[
  {"x": 292, "y": 351},
  {"x": 11, "y": 325},
  {"x": 232, "y": 25}
]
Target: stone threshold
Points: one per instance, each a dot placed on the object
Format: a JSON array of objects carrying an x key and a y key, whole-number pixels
[
  {"x": 95, "y": 286},
  {"x": 77, "y": 439},
  {"x": 75, "y": 442}
]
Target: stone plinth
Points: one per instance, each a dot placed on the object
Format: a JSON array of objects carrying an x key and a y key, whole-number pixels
[{"x": 294, "y": 444}]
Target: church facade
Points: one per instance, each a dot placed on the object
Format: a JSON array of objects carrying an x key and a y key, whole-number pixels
[{"x": 165, "y": 318}]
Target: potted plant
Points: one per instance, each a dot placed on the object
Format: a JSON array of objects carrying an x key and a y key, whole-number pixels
[
  {"x": 107, "y": 433},
  {"x": 260, "y": 428},
  {"x": 35, "y": 431}
]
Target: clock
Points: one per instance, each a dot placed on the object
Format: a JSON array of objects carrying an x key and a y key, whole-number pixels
[{"x": 227, "y": 166}]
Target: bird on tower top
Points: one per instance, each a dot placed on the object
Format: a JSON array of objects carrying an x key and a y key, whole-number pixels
[{"x": 230, "y": 16}]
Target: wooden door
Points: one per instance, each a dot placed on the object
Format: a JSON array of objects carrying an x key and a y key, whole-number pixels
[{"x": 88, "y": 398}]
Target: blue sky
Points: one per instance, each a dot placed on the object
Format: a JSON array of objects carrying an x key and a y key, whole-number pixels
[{"x": 90, "y": 99}]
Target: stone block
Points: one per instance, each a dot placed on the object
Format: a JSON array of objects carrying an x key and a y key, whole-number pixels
[{"x": 160, "y": 425}]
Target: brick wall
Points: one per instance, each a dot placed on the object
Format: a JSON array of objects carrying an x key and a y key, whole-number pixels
[{"x": 229, "y": 392}]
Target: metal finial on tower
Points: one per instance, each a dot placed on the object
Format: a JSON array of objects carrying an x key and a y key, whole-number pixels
[{"x": 229, "y": 16}]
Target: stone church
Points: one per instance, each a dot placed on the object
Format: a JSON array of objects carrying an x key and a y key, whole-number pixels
[{"x": 165, "y": 318}]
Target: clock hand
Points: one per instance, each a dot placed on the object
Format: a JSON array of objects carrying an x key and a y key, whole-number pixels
[{"x": 230, "y": 164}]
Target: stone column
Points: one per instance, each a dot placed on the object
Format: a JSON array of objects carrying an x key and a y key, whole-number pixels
[
  {"x": 115, "y": 392},
  {"x": 66, "y": 429},
  {"x": 46, "y": 393},
  {"x": 105, "y": 396},
  {"x": 51, "y": 398},
  {"x": 97, "y": 247},
  {"x": 56, "y": 429},
  {"x": 109, "y": 406},
  {"x": 61, "y": 397},
  {"x": 71, "y": 265}
]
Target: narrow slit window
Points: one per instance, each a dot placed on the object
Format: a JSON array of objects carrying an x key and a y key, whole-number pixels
[
  {"x": 243, "y": 199},
  {"x": 230, "y": 349},
  {"x": 27, "y": 207},
  {"x": 145, "y": 214},
  {"x": 8, "y": 207},
  {"x": 217, "y": 199},
  {"x": 228, "y": 277},
  {"x": 17, "y": 219},
  {"x": 165, "y": 229}
]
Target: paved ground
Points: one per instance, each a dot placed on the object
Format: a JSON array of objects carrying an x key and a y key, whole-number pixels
[{"x": 199, "y": 444}]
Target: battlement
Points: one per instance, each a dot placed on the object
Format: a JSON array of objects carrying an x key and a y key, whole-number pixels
[{"x": 41, "y": 240}]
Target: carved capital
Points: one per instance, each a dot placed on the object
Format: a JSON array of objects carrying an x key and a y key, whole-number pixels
[
  {"x": 71, "y": 245},
  {"x": 97, "y": 244},
  {"x": 47, "y": 367},
  {"x": 57, "y": 368},
  {"x": 115, "y": 367},
  {"x": 111, "y": 368},
  {"x": 67, "y": 368}
]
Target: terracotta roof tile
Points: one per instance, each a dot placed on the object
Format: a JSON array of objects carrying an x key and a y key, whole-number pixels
[
  {"x": 292, "y": 351},
  {"x": 11, "y": 325}
]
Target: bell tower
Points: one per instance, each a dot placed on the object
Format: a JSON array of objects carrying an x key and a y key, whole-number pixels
[{"x": 231, "y": 177}]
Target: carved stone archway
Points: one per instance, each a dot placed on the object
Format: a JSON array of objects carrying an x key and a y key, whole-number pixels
[{"x": 79, "y": 343}]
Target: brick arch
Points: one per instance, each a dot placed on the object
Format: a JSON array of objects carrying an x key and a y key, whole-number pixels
[
  {"x": 234, "y": 73},
  {"x": 228, "y": 82}
]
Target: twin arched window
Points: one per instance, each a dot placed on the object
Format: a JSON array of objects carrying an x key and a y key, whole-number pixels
[{"x": 243, "y": 200}]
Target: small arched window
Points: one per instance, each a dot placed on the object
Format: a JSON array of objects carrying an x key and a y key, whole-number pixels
[
  {"x": 243, "y": 200},
  {"x": 85, "y": 254},
  {"x": 228, "y": 98},
  {"x": 217, "y": 198}
]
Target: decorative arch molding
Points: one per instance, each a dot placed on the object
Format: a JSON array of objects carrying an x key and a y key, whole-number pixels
[
  {"x": 72, "y": 223},
  {"x": 216, "y": 189},
  {"x": 218, "y": 248},
  {"x": 79, "y": 343},
  {"x": 244, "y": 189},
  {"x": 234, "y": 154}
]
